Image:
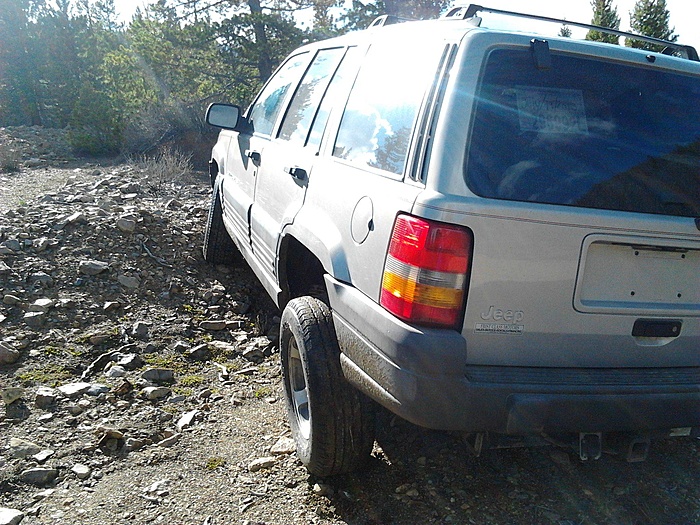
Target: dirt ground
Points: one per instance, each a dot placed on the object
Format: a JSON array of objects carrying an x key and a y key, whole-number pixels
[{"x": 211, "y": 446}]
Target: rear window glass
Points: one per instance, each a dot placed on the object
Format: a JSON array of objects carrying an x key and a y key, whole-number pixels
[{"x": 586, "y": 133}]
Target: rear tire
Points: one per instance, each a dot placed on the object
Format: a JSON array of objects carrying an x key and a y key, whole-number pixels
[
  {"x": 332, "y": 423},
  {"x": 218, "y": 247}
]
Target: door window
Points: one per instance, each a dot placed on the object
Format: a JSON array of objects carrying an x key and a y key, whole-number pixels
[
  {"x": 304, "y": 105},
  {"x": 339, "y": 84},
  {"x": 264, "y": 112}
]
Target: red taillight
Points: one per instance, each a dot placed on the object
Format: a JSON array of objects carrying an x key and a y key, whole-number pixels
[{"x": 425, "y": 274}]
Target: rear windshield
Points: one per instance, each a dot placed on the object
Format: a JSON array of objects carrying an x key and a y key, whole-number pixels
[{"x": 586, "y": 133}]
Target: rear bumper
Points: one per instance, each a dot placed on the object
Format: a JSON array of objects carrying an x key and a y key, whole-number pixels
[{"x": 422, "y": 375}]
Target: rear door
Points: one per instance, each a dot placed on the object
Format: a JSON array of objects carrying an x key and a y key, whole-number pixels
[{"x": 584, "y": 193}]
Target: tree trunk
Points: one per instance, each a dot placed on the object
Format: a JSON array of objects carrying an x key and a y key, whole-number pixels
[{"x": 264, "y": 60}]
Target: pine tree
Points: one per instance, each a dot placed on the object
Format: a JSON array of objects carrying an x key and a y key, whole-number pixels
[
  {"x": 651, "y": 18},
  {"x": 604, "y": 15}
]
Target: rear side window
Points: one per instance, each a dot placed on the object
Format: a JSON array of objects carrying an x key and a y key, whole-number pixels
[
  {"x": 302, "y": 109},
  {"x": 265, "y": 110},
  {"x": 377, "y": 124},
  {"x": 586, "y": 133}
]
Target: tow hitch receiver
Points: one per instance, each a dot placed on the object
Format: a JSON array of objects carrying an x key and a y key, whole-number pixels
[{"x": 590, "y": 446}]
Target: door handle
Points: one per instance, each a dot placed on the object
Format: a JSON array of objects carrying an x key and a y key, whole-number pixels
[
  {"x": 297, "y": 173},
  {"x": 253, "y": 155}
]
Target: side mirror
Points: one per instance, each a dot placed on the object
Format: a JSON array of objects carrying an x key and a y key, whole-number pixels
[{"x": 226, "y": 116}]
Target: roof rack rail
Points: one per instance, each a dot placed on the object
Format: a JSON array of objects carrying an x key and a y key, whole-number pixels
[
  {"x": 386, "y": 20},
  {"x": 464, "y": 13}
]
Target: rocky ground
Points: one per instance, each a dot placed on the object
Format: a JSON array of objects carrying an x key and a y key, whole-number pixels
[{"x": 140, "y": 385}]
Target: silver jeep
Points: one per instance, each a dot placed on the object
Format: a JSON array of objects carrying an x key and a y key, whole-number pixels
[{"x": 483, "y": 231}]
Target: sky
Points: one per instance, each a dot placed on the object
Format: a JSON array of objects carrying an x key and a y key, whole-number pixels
[{"x": 684, "y": 13}]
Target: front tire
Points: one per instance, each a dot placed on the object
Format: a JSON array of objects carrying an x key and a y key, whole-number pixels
[
  {"x": 218, "y": 247},
  {"x": 332, "y": 423}
]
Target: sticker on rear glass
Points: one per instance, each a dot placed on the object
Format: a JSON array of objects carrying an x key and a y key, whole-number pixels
[
  {"x": 499, "y": 328},
  {"x": 549, "y": 110}
]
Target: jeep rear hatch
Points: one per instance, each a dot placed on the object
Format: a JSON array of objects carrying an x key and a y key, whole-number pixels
[{"x": 586, "y": 132}]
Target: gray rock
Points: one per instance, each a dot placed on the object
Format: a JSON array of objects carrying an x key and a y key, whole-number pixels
[
  {"x": 126, "y": 225},
  {"x": 75, "y": 410},
  {"x": 41, "y": 305},
  {"x": 81, "y": 471},
  {"x": 181, "y": 346},
  {"x": 11, "y": 394},
  {"x": 131, "y": 361},
  {"x": 45, "y": 397},
  {"x": 11, "y": 300},
  {"x": 39, "y": 476},
  {"x": 321, "y": 489},
  {"x": 8, "y": 355},
  {"x": 169, "y": 441},
  {"x": 12, "y": 244},
  {"x": 213, "y": 325},
  {"x": 4, "y": 268},
  {"x": 254, "y": 354},
  {"x": 284, "y": 446},
  {"x": 92, "y": 267},
  {"x": 96, "y": 389},
  {"x": 43, "y": 455},
  {"x": 73, "y": 390},
  {"x": 98, "y": 339},
  {"x": 159, "y": 375},
  {"x": 21, "y": 448},
  {"x": 99, "y": 364},
  {"x": 75, "y": 218},
  {"x": 110, "y": 306},
  {"x": 42, "y": 278},
  {"x": 134, "y": 444},
  {"x": 35, "y": 319},
  {"x": 261, "y": 463},
  {"x": 160, "y": 487},
  {"x": 239, "y": 307},
  {"x": 224, "y": 347},
  {"x": 199, "y": 352},
  {"x": 116, "y": 371},
  {"x": 129, "y": 282},
  {"x": 41, "y": 244},
  {"x": 156, "y": 392},
  {"x": 187, "y": 419},
  {"x": 10, "y": 516},
  {"x": 130, "y": 187},
  {"x": 139, "y": 330}
]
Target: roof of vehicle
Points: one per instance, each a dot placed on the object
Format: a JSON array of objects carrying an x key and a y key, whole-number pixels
[{"x": 469, "y": 14}]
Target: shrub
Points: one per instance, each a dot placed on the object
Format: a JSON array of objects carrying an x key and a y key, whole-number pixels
[
  {"x": 94, "y": 126},
  {"x": 166, "y": 166}
]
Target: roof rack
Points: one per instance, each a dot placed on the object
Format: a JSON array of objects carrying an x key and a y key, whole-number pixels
[
  {"x": 464, "y": 13},
  {"x": 385, "y": 20}
]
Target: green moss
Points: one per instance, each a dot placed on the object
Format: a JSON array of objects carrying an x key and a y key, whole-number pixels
[
  {"x": 52, "y": 350},
  {"x": 191, "y": 380},
  {"x": 182, "y": 391},
  {"x": 215, "y": 462},
  {"x": 52, "y": 375},
  {"x": 263, "y": 392}
]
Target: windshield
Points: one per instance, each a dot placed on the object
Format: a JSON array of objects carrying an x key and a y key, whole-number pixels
[{"x": 586, "y": 133}]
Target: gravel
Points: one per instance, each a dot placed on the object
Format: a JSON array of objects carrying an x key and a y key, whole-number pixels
[{"x": 141, "y": 385}]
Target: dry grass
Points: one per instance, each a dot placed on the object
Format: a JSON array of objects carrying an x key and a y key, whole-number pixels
[{"x": 165, "y": 167}]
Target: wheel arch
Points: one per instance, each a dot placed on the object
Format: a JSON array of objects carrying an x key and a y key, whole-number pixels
[{"x": 304, "y": 257}]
